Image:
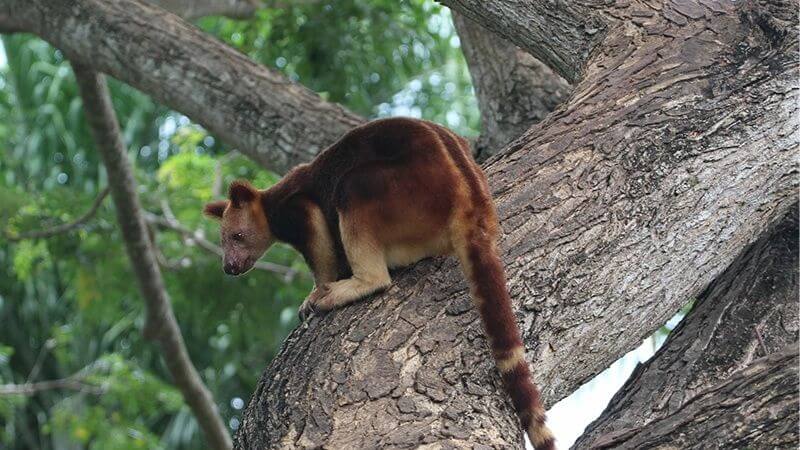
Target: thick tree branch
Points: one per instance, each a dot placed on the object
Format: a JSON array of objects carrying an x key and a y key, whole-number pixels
[
  {"x": 754, "y": 408},
  {"x": 160, "y": 324},
  {"x": 276, "y": 122},
  {"x": 195, "y": 9},
  {"x": 8, "y": 24},
  {"x": 747, "y": 313},
  {"x": 63, "y": 228},
  {"x": 514, "y": 89},
  {"x": 560, "y": 34},
  {"x": 674, "y": 152}
]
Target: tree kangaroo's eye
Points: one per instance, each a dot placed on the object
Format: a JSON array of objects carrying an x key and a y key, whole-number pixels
[{"x": 238, "y": 237}]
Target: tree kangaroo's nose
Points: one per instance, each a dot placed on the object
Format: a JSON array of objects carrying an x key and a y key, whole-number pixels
[{"x": 229, "y": 268}]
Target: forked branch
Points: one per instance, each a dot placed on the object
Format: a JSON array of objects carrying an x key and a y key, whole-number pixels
[
  {"x": 62, "y": 228},
  {"x": 559, "y": 34}
]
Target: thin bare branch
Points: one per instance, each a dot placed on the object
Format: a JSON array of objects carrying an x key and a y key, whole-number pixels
[
  {"x": 37, "y": 365},
  {"x": 160, "y": 323},
  {"x": 196, "y": 237},
  {"x": 70, "y": 383},
  {"x": 63, "y": 228},
  {"x": 169, "y": 264}
]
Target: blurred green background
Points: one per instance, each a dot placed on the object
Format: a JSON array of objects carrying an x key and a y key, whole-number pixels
[{"x": 68, "y": 304}]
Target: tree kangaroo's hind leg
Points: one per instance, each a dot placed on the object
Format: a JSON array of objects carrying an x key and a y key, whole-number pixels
[{"x": 367, "y": 260}]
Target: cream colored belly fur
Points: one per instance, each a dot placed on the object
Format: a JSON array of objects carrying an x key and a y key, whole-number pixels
[{"x": 402, "y": 254}]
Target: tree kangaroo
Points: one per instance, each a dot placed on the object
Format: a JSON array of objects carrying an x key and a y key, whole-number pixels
[{"x": 387, "y": 194}]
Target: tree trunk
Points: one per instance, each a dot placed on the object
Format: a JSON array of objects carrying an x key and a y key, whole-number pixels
[
  {"x": 754, "y": 408},
  {"x": 748, "y": 313},
  {"x": 514, "y": 90},
  {"x": 276, "y": 122},
  {"x": 674, "y": 152}
]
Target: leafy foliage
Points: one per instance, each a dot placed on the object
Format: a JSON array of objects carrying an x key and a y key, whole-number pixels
[
  {"x": 68, "y": 305},
  {"x": 378, "y": 58},
  {"x": 125, "y": 396}
]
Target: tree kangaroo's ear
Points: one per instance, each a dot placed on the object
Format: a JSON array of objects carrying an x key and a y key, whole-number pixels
[
  {"x": 215, "y": 209},
  {"x": 241, "y": 192}
]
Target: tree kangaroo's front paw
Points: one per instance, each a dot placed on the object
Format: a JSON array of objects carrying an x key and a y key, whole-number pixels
[
  {"x": 314, "y": 302},
  {"x": 306, "y": 310}
]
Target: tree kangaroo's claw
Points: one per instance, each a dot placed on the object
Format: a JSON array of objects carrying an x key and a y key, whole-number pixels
[{"x": 307, "y": 309}]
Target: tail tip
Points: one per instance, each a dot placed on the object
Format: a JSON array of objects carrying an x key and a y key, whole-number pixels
[{"x": 541, "y": 437}]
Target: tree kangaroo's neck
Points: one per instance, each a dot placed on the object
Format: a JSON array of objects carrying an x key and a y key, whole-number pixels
[
  {"x": 295, "y": 182},
  {"x": 286, "y": 203}
]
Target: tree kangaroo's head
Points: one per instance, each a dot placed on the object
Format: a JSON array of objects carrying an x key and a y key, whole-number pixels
[{"x": 245, "y": 234}]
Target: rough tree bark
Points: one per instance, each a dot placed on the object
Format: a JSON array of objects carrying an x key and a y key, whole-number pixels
[
  {"x": 9, "y": 23},
  {"x": 160, "y": 323},
  {"x": 673, "y": 153},
  {"x": 747, "y": 313},
  {"x": 269, "y": 118},
  {"x": 754, "y": 408},
  {"x": 514, "y": 90},
  {"x": 195, "y": 9},
  {"x": 560, "y": 34}
]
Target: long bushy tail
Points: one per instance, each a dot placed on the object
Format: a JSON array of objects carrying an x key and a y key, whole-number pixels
[{"x": 484, "y": 270}]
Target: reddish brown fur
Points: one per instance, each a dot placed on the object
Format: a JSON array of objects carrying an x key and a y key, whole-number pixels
[{"x": 389, "y": 193}]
